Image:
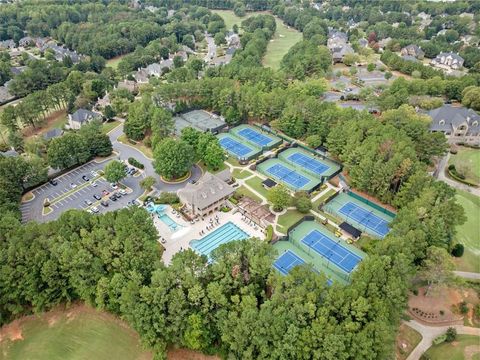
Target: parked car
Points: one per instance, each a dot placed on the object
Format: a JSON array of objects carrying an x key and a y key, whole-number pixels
[
  {"x": 88, "y": 202},
  {"x": 104, "y": 203},
  {"x": 53, "y": 182},
  {"x": 93, "y": 173},
  {"x": 95, "y": 209},
  {"x": 114, "y": 186},
  {"x": 105, "y": 193},
  {"x": 73, "y": 186},
  {"x": 94, "y": 184},
  {"x": 85, "y": 178},
  {"x": 97, "y": 197},
  {"x": 122, "y": 191},
  {"x": 113, "y": 197}
]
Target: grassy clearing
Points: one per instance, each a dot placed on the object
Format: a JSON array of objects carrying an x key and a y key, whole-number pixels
[
  {"x": 210, "y": 170},
  {"x": 113, "y": 62},
  {"x": 256, "y": 184},
  {"x": 246, "y": 192},
  {"x": 80, "y": 333},
  {"x": 288, "y": 219},
  {"x": 470, "y": 158},
  {"x": 284, "y": 38},
  {"x": 241, "y": 174},
  {"x": 109, "y": 126},
  {"x": 409, "y": 337},
  {"x": 460, "y": 349},
  {"x": 322, "y": 198},
  {"x": 469, "y": 233},
  {"x": 231, "y": 19},
  {"x": 137, "y": 145}
]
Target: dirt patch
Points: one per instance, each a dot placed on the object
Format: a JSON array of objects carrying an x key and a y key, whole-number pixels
[
  {"x": 184, "y": 354},
  {"x": 45, "y": 125},
  {"x": 12, "y": 331},
  {"x": 470, "y": 351},
  {"x": 441, "y": 306}
]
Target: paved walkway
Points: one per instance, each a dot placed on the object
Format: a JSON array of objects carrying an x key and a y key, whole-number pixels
[
  {"x": 467, "y": 275},
  {"x": 429, "y": 333},
  {"x": 440, "y": 175}
]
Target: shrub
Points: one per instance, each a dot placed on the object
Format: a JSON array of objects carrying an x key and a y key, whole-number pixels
[
  {"x": 167, "y": 198},
  {"x": 476, "y": 310},
  {"x": 269, "y": 235},
  {"x": 442, "y": 312},
  {"x": 451, "y": 167},
  {"x": 225, "y": 209},
  {"x": 136, "y": 163},
  {"x": 415, "y": 292},
  {"x": 425, "y": 357},
  {"x": 451, "y": 334},
  {"x": 458, "y": 250},
  {"x": 463, "y": 307},
  {"x": 233, "y": 200},
  {"x": 440, "y": 339}
]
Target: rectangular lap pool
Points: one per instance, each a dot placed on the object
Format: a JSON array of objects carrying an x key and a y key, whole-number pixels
[{"x": 222, "y": 235}]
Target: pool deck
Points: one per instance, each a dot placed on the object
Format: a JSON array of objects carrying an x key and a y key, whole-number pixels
[{"x": 180, "y": 239}]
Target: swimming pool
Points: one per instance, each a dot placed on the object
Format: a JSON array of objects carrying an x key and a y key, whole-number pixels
[
  {"x": 160, "y": 211},
  {"x": 222, "y": 235}
]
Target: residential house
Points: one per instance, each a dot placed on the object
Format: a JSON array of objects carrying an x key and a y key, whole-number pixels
[
  {"x": 409, "y": 58},
  {"x": 52, "y": 134},
  {"x": 103, "y": 102},
  {"x": 457, "y": 123},
  {"x": 183, "y": 54},
  {"x": 82, "y": 117},
  {"x": 7, "y": 44},
  {"x": 141, "y": 76},
  {"x": 413, "y": 50},
  {"x": 9, "y": 153},
  {"x": 207, "y": 195},
  {"x": 5, "y": 95},
  {"x": 129, "y": 85},
  {"x": 363, "y": 42},
  {"x": 26, "y": 41},
  {"x": 154, "y": 69},
  {"x": 16, "y": 70},
  {"x": 233, "y": 39},
  {"x": 383, "y": 43},
  {"x": 338, "y": 45},
  {"x": 448, "y": 61}
]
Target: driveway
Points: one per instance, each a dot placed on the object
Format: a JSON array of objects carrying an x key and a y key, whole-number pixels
[
  {"x": 429, "y": 333},
  {"x": 125, "y": 151},
  {"x": 440, "y": 175},
  {"x": 212, "y": 48}
]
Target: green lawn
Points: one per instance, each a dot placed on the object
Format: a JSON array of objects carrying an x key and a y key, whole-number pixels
[
  {"x": 230, "y": 18},
  {"x": 469, "y": 233},
  {"x": 241, "y": 174},
  {"x": 246, "y": 192},
  {"x": 206, "y": 168},
  {"x": 406, "y": 335},
  {"x": 284, "y": 38},
  {"x": 138, "y": 145},
  {"x": 288, "y": 219},
  {"x": 322, "y": 198},
  {"x": 455, "y": 350},
  {"x": 113, "y": 62},
  {"x": 85, "y": 335},
  {"x": 256, "y": 184},
  {"x": 109, "y": 126},
  {"x": 469, "y": 158}
]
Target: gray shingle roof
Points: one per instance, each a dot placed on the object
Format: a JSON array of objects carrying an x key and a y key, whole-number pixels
[
  {"x": 208, "y": 190},
  {"x": 53, "y": 134},
  {"x": 447, "y": 117},
  {"x": 82, "y": 115}
]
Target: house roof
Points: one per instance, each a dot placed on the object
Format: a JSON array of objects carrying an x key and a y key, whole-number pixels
[
  {"x": 269, "y": 183},
  {"x": 206, "y": 191},
  {"x": 448, "y": 116},
  {"x": 83, "y": 115},
  {"x": 445, "y": 55},
  {"x": 53, "y": 134},
  {"x": 9, "y": 153}
]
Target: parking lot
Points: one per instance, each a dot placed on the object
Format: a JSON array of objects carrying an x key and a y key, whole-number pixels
[{"x": 71, "y": 192}]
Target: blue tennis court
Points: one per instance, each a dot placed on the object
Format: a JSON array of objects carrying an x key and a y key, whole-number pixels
[
  {"x": 308, "y": 163},
  {"x": 255, "y": 137},
  {"x": 289, "y": 176},
  {"x": 287, "y": 261},
  {"x": 235, "y": 147},
  {"x": 332, "y": 250},
  {"x": 365, "y": 217}
]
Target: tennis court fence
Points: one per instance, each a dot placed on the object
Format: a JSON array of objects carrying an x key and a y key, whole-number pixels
[{"x": 370, "y": 203}]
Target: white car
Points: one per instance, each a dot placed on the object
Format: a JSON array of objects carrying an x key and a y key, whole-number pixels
[
  {"x": 113, "y": 186},
  {"x": 122, "y": 191},
  {"x": 95, "y": 209},
  {"x": 73, "y": 186},
  {"x": 94, "y": 184}
]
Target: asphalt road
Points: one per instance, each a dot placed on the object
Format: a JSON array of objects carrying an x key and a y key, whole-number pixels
[{"x": 64, "y": 196}]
